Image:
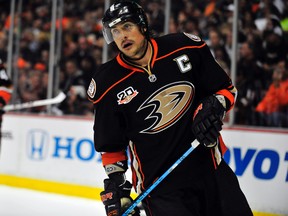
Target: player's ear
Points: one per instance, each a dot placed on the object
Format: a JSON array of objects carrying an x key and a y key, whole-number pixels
[{"x": 143, "y": 30}]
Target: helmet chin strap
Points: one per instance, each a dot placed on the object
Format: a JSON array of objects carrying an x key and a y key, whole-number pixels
[{"x": 136, "y": 59}]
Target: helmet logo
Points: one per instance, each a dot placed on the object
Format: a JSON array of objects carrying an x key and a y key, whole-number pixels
[
  {"x": 123, "y": 11},
  {"x": 112, "y": 8},
  {"x": 114, "y": 22}
]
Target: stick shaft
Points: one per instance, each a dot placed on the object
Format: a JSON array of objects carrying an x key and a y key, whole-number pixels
[
  {"x": 58, "y": 99},
  {"x": 142, "y": 196}
]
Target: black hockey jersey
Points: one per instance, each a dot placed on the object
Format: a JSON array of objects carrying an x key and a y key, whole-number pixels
[
  {"x": 150, "y": 108},
  {"x": 6, "y": 86}
]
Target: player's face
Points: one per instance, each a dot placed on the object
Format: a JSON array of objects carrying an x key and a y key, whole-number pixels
[{"x": 129, "y": 39}]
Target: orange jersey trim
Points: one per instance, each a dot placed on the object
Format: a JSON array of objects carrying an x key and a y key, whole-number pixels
[
  {"x": 131, "y": 67},
  {"x": 135, "y": 69},
  {"x": 182, "y": 48},
  {"x": 113, "y": 157},
  {"x": 139, "y": 169},
  {"x": 155, "y": 50},
  {"x": 213, "y": 159},
  {"x": 223, "y": 147},
  {"x": 125, "y": 65},
  {"x": 112, "y": 86},
  {"x": 227, "y": 94}
]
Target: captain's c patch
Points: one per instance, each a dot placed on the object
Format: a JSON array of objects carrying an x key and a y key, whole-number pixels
[{"x": 92, "y": 89}]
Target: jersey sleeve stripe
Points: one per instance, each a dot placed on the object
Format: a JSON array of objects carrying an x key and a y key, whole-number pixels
[
  {"x": 113, "y": 157},
  {"x": 137, "y": 168},
  {"x": 228, "y": 95}
]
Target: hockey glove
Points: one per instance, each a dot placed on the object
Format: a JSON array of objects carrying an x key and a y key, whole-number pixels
[
  {"x": 207, "y": 121},
  {"x": 116, "y": 198}
]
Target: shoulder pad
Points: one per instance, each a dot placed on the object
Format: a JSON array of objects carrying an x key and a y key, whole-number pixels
[
  {"x": 178, "y": 41},
  {"x": 106, "y": 77},
  {"x": 194, "y": 38}
]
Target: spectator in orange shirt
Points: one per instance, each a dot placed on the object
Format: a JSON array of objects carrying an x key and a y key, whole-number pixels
[{"x": 271, "y": 106}]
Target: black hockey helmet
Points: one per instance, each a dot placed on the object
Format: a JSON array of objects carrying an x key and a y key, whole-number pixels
[{"x": 122, "y": 11}]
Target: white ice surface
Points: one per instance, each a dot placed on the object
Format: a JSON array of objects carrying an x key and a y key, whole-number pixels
[{"x": 23, "y": 202}]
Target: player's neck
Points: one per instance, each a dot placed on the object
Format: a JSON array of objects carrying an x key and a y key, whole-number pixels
[{"x": 145, "y": 58}]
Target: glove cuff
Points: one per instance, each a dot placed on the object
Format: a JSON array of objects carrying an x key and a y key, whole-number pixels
[
  {"x": 220, "y": 109},
  {"x": 222, "y": 101},
  {"x": 118, "y": 167}
]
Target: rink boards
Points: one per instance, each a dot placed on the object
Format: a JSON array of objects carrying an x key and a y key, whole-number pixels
[{"x": 56, "y": 154}]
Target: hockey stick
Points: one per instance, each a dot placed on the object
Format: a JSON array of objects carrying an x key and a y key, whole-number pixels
[
  {"x": 58, "y": 99},
  {"x": 194, "y": 144}
]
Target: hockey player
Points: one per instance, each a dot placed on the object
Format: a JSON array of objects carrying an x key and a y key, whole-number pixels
[
  {"x": 5, "y": 92},
  {"x": 156, "y": 96}
]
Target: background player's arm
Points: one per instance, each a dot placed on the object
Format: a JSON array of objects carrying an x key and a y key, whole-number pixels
[{"x": 5, "y": 87}]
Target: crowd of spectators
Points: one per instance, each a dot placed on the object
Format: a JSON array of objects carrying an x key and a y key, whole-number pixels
[{"x": 262, "y": 58}]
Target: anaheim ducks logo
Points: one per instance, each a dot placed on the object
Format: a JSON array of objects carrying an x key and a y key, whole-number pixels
[{"x": 169, "y": 104}]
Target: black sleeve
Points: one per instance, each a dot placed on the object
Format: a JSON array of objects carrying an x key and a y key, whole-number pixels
[
  {"x": 4, "y": 79},
  {"x": 109, "y": 127},
  {"x": 210, "y": 75}
]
